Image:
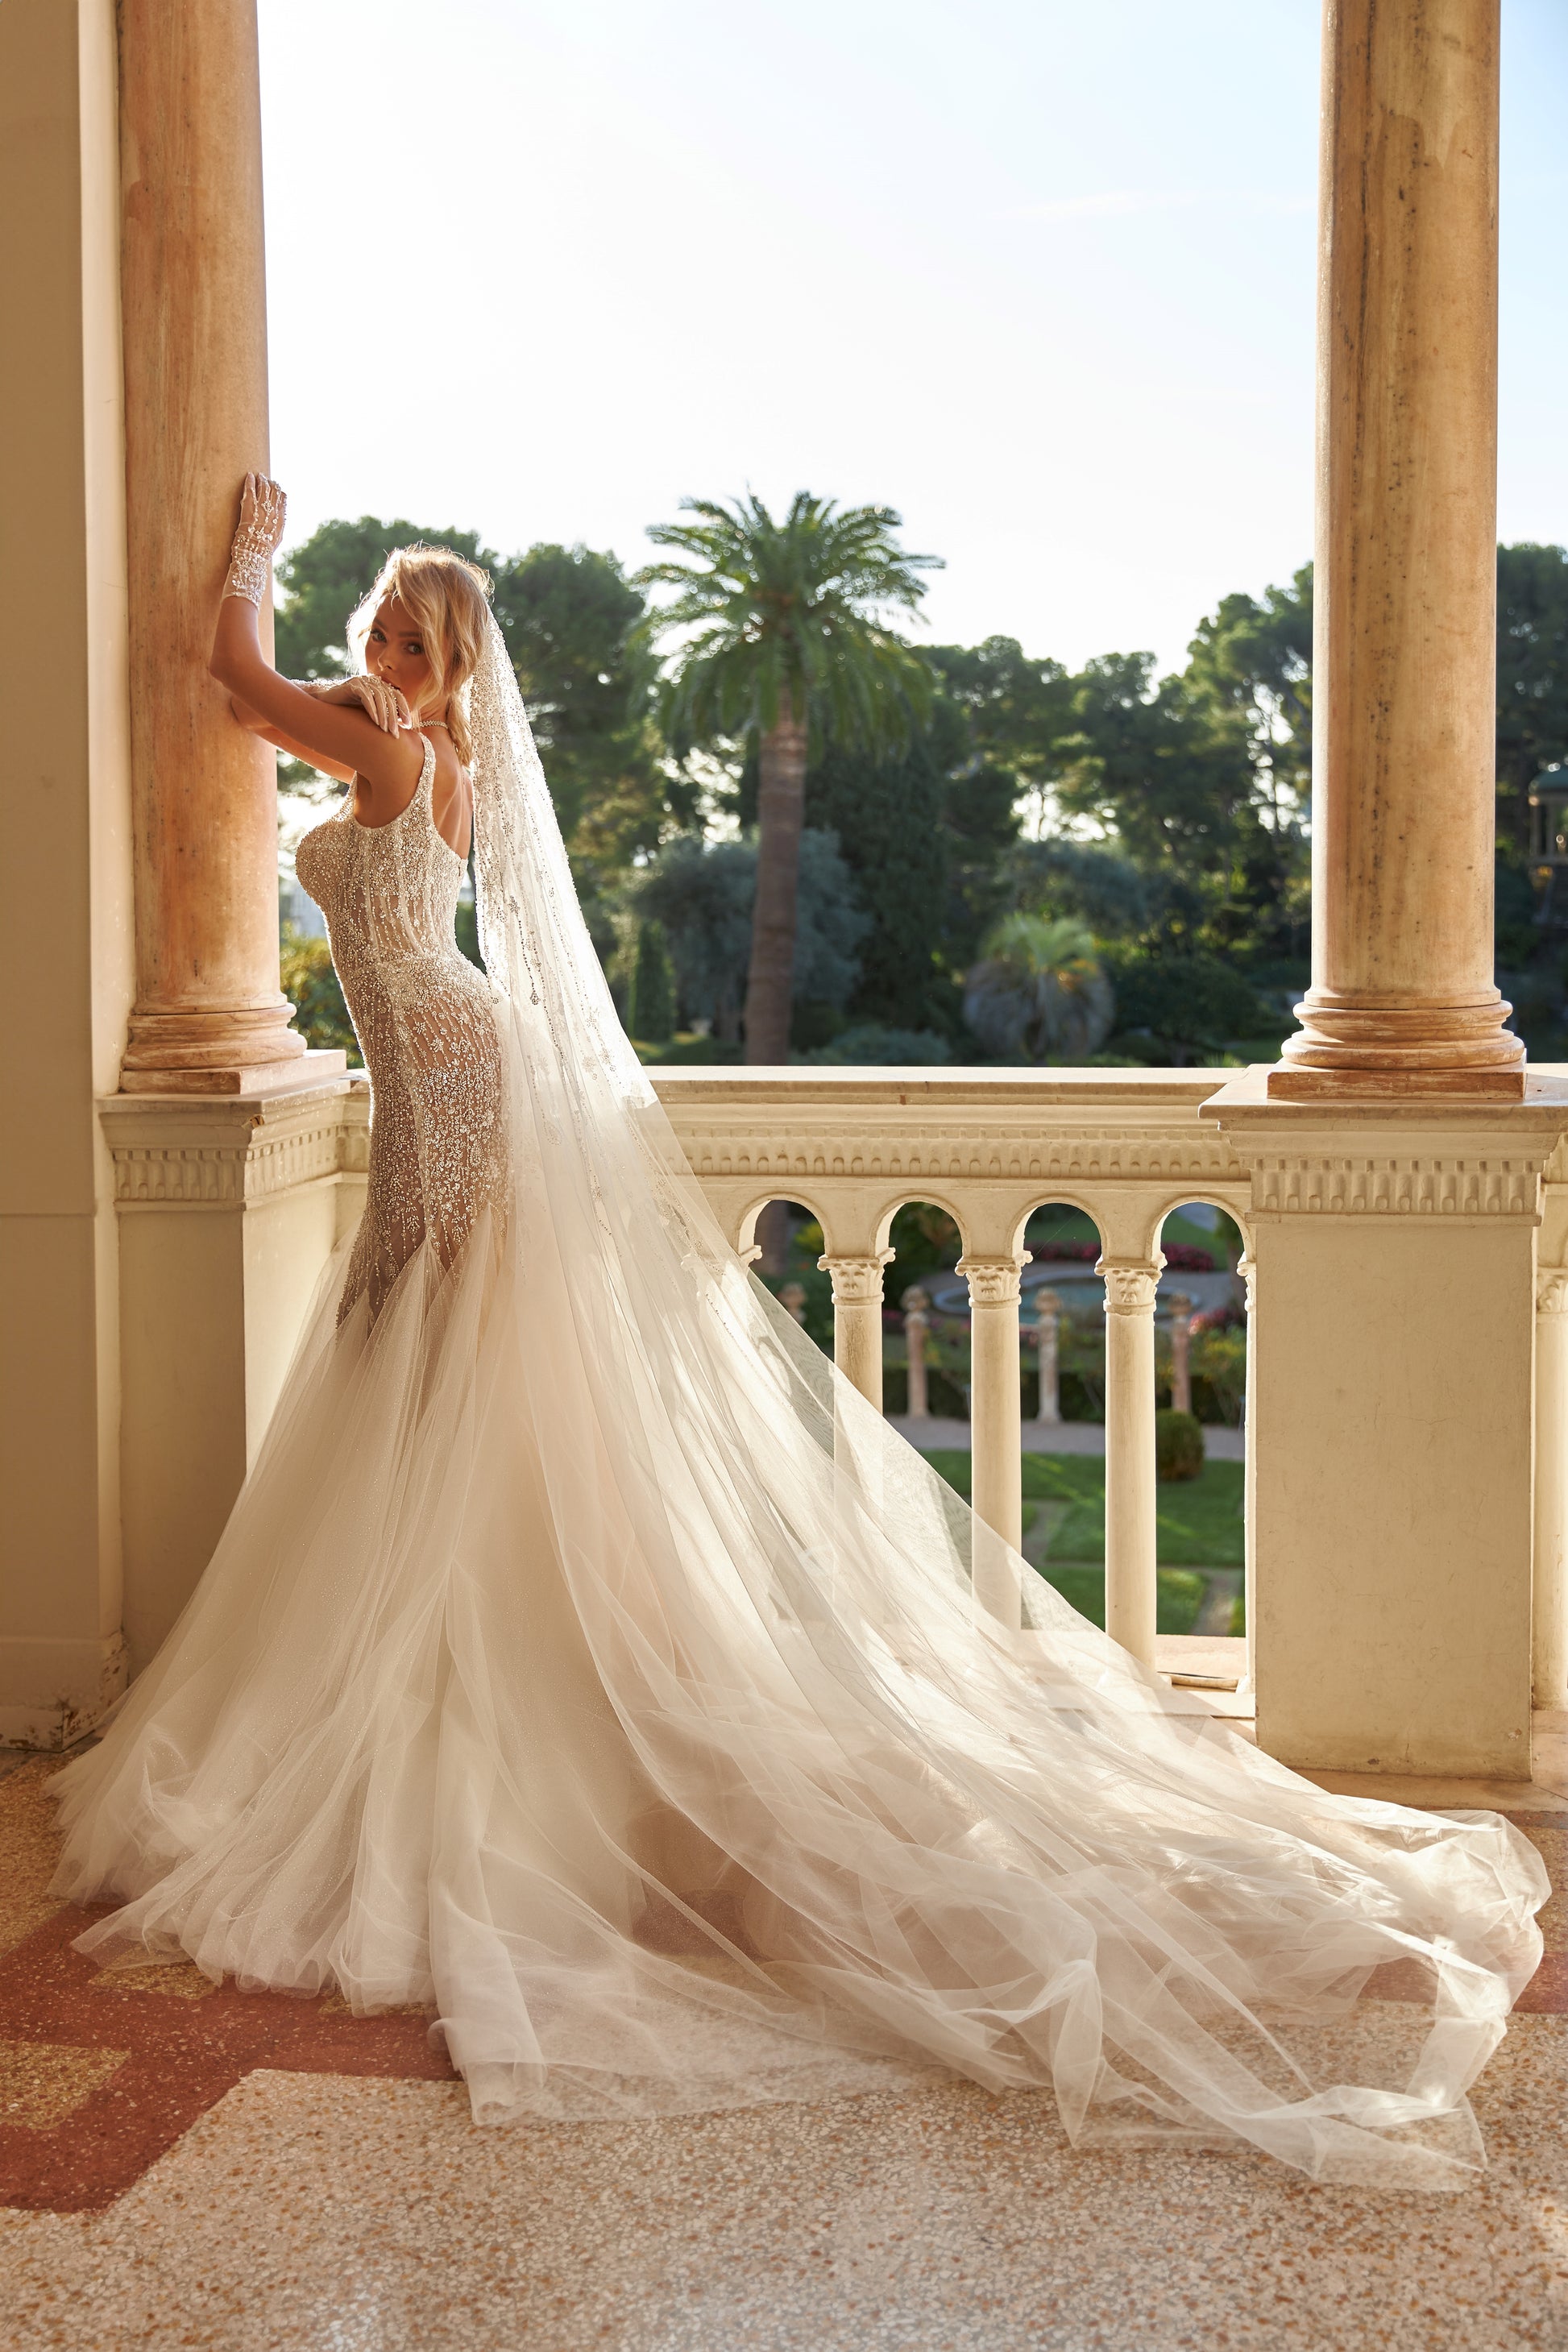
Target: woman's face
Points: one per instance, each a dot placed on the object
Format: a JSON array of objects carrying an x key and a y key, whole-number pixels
[{"x": 394, "y": 650}]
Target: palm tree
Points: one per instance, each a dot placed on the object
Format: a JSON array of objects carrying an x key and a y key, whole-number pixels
[
  {"x": 788, "y": 641},
  {"x": 1039, "y": 991}
]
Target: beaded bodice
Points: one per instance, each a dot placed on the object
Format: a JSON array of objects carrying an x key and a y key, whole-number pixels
[{"x": 426, "y": 1019}]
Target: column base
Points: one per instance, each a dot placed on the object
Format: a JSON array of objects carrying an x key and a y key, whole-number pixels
[
  {"x": 55, "y": 1688},
  {"x": 304, "y": 1069},
  {"x": 1302, "y": 1082},
  {"x": 1352, "y": 1047},
  {"x": 219, "y": 1050}
]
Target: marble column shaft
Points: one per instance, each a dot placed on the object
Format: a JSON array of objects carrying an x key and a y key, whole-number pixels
[
  {"x": 210, "y": 1015},
  {"x": 1401, "y": 999}
]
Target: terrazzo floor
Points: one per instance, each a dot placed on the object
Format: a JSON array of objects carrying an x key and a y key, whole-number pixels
[{"x": 183, "y": 2166}]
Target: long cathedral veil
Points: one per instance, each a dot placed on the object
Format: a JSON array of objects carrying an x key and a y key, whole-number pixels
[
  {"x": 584, "y": 1660},
  {"x": 1013, "y": 1854}
]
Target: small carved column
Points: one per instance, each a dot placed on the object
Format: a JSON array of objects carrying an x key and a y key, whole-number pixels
[
  {"x": 1181, "y": 1308},
  {"x": 1130, "y": 1552},
  {"x": 916, "y": 1326},
  {"x": 995, "y": 1434},
  {"x": 1246, "y": 1267},
  {"x": 1047, "y": 1328},
  {"x": 1550, "y": 1611},
  {"x": 857, "y": 1320}
]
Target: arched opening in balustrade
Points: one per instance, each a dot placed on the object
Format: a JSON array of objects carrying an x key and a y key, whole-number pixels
[
  {"x": 926, "y": 1317},
  {"x": 1201, "y": 1359},
  {"x": 802, "y": 1287}
]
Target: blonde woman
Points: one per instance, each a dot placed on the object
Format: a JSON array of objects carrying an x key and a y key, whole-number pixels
[{"x": 585, "y": 1662}]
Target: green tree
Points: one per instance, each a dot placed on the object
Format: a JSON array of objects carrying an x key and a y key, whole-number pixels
[
  {"x": 701, "y": 894},
  {"x": 782, "y": 636},
  {"x": 1021, "y": 715},
  {"x": 572, "y": 624},
  {"x": 1039, "y": 992},
  {"x": 888, "y": 817},
  {"x": 650, "y": 1001},
  {"x": 1532, "y": 676},
  {"x": 1253, "y": 656},
  {"x": 1158, "y": 763}
]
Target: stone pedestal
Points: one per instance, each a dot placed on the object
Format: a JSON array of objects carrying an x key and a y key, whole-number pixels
[
  {"x": 1390, "y": 1406},
  {"x": 228, "y": 1210}
]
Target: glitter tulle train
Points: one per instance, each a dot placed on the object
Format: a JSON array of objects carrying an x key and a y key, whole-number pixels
[{"x": 585, "y": 1661}]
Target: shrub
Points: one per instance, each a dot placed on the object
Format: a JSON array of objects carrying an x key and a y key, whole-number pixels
[
  {"x": 311, "y": 987},
  {"x": 1185, "y": 1257},
  {"x": 1178, "y": 1446}
]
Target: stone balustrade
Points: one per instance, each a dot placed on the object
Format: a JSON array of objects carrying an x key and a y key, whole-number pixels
[{"x": 988, "y": 1147}]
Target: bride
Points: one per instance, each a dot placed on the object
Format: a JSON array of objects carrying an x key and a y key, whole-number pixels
[{"x": 585, "y": 1660}]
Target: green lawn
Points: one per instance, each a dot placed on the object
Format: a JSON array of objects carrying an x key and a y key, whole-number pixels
[
  {"x": 1198, "y": 1520},
  {"x": 1198, "y": 1523}
]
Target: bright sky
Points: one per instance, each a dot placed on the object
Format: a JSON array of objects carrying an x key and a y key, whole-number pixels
[{"x": 1037, "y": 275}]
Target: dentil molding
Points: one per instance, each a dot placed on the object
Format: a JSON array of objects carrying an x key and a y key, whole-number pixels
[
  {"x": 183, "y": 1152},
  {"x": 950, "y": 1127}
]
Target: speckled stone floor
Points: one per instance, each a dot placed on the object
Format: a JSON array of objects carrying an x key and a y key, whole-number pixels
[{"x": 189, "y": 2166}]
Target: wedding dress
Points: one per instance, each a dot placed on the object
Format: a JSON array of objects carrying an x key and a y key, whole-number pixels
[{"x": 585, "y": 1660}]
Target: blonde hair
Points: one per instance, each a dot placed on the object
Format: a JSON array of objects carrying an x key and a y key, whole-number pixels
[{"x": 450, "y": 600}]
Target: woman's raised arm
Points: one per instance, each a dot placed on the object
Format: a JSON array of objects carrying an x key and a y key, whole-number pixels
[{"x": 340, "y": 735}]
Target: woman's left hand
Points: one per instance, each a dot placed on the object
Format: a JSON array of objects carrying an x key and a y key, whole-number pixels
[
  {"x": 263, "y": 512},
  {"x": 376, "y": 697}
]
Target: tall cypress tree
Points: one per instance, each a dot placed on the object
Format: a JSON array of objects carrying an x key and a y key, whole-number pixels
[{"x": 889, "y": 816}]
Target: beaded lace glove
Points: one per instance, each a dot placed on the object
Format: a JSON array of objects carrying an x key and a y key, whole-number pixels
[
  {"x": 262, "y": 510},
  {"x": 374, "y": 697}
]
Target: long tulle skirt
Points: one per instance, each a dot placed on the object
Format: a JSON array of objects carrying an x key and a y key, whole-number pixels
[{"x": 647, "y": 1732}]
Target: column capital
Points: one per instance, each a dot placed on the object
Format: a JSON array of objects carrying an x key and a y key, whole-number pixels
[
  {"x": 992, "y": 1281},
  {"x": 1551, "y": 1290},
  {"x": 1129, "y": 1285},
  {"x": 857, "y": 1277}
]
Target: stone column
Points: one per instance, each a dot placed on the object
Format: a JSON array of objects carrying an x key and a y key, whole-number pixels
[
  {"x": 1550, "y": 1675},
  {"x": 916, "y": 1326},
  {"x": 858, "y": 1318},
  {"x": 1401, "y": 999},
  {"x": 1129, "y": 1547},
  {"x": 995, "y": 1432},
  {"x": 1181, "y": 1309},
  {"x": 209, "y": 1017},
  {"x": 65, "y": 870},
  {"x": 1246, "y": 1267},
  {"x": 1047, "y": 1327}
]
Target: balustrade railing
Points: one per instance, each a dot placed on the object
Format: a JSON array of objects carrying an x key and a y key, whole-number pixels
[{"x": 1126, "y": 1146}]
